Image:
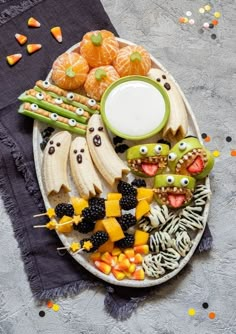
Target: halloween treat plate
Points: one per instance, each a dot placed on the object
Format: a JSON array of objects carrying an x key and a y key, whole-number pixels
[{"x": 179, "y": 230}]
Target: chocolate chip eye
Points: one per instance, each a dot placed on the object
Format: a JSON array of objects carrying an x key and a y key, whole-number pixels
[
  {"x": 72, "y": 122},
  {"x": 40, "y": 96},
  {"x": 79, "y": 111},
  {"x": 58, "y": 144},
  {"x": 184, "y": 182},
  {"x": 170, "y": 179},
  {"x": 54, "y": 116},
  {"x": 100, "y": 128},
  {"x": 158, "y": 80},
  {"x": 82, "y": 150},
  {"x": 91, "y": 129},
  {"x": 70, "y": 96},
  {"x": 46, "y": 84},
  {"x": 92, "y": 102},
  {"x": 34, "y": 107},
  {"x": 75, "y": 151},
  {"x": 58, "y": 100},
  {"x": 51, "y": 142},
  {"x": 164, "y": 77},
  {"x": 172, "y": 157},
  {"x": 182, "y": 146},
  {"x": 167, "y": 86},
  {"x": 158, "y": 149},
  {"x": 143, "y": 150}
]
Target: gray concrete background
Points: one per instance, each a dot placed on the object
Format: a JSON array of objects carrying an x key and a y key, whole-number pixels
[{"x": 205, "y": 70}]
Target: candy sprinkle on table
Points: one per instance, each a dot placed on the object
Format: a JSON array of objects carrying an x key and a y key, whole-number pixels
[
  {"x": 212, "y": 315},
  {"x": 216, "y": 154},
  {"x": 191, "y": 312},
  {"x": 56, "y": 307}
]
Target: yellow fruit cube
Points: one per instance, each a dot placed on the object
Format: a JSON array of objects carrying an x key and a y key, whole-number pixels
[
  {"x": 106, "y": 247},
  {"x": 113, "y": 196},
  {"x": 95, "y": 256},
  {"x": 116, "y": 251},
  {"x": 99, "y": 226},
  {"x": 113, "y": 208},
  {"x": 113, "y": 229},
  {"x": 145, "y": 193},
  {"x": 140, "y": 238},
  {"x": 65, "y": 228},
  {"x": 78, "y": 204},
  {"x": 141, "y": 209}
]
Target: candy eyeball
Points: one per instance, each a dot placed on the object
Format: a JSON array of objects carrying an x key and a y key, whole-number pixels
[
  {"x": 143, "y": 150},
  {"x": 79, "y": 111},
  {"x": 58, "y": 100},
  {"x": 46, "y": 84},
  {"x": 72, "y": 122},
  {"x": 184, "y": 182},
  {"x": 92, "y": 102},
  {"x": 172, "y": 156},
  {"x": 34, "y": 107},
  {"x": 170, "y": 179},
  {"x": 40, "y": 96},
  {"x": 54, "y": 116},
  {"x": 70, "y": 96},
  {"x": 158, "y": 149},
  {"x": 182, "y": 146}
]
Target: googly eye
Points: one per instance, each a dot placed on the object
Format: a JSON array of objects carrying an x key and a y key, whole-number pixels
[
  {"x": 70, "y": 96},
  {"x": 40, "y": 96},
  {"x": 58, "y": 100},
  {"x": 184, "y": 182},
  {"x": 79, "y": 111},
  {"x": 34, "y": 107},
  {"x": 170, "y": 179},
  {"x": 172, "y": 156},
  {"x": 54, "y": 116},
  {"x": 158, "y": 149},
  {"x": 46, "y": 84},
  {"x": 92, "y": 102},
  {"x": 182, "y": 146},
  {"x": 143, "y": 150},
  {"x": 72, "y": 122}
]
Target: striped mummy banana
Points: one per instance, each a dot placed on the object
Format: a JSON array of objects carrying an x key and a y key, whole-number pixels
[
  {"x": 54, "y": 165},
  {"x": 102, "y": 152},
  {"x": 82, "y": 169}
]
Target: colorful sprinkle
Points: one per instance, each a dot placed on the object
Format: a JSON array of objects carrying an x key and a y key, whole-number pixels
[
  {"x": 216, "y": 154},
  {"x": 207, "y": 139},
  {"x": 233, "y": 153},
  {"x": 191, "y": 312},
  {"x": 217, "y": 14},
  {"x": 201, "y": 10},
  {"x": 33, "y": 23},
  {"x": 215, "y": 22},
  {"x": 212, "y": 315},
  {"x": 211, "y": 26},
  {"x": 205, "y": 305},
  {"x": 213, "y": 36},
  {"x": 204, "y": 135},
  {"x": 13, "y": 59},
  {"x": 181, "y": 19},
  {"x": 206, "y": 25},
  {"x": 188, "y": 13},
  {"x": 42, "y": 314},
  {"x": 31, "y": 48},
  {"x": 57, "y": 33},
  {"x": 228, "y": 139},
  {"x": 191, "y": 21},
  {"x": 56, "y": 307},
  {"x": 186, "y": 20},
  {"x": 21, "y": 39},
  {"x": 207, "y": 8},
  {"x": 49, "y": 304}
]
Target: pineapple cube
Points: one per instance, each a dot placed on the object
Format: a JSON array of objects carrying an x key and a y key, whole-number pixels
[
  {"x": 140, "y": 238},
  {"x": 78, "y": 204},
  {"x": 107, "y": 246},
  {"x": 99, "y": 226},
  {"x": 142, "y": 208},
  {"x": 113, "y": 196},
  {"x": 113, "y": 208},
  {"x": 113, "y": 229},
  {"x": 67, "y": 228},
  {"x": 145, "y": 193}
]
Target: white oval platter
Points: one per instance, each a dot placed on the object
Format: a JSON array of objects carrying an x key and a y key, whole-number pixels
[{"x": 66, "y": 239}]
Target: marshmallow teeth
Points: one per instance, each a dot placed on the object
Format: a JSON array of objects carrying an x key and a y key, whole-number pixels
[
  {"x": 102, "y": 152},
  {"x": 54, "y": 167},
  {"x": 57, "y": 34},
  {"x": 83, "y": 172}
]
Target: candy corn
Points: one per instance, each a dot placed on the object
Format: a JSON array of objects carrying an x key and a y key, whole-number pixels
[
  {"x": 138, "y": 259},
  {"x": 103, "y": 267},
  {"x": 13, "y": 59},
  {"x": 138, "y": 274},
  {"x": 124, "y": 265},
  {"x": 132, "y": 268},
  {"x": 109, "y": 259},
  {"x": 21, "y": 39},
  {"x": 33, "y": 23},
  {"x": 57, "y": 34},
  {"x": 31, "y": 48},
  {"x": 129, "y": 252},
  {"x": 143, "y": 249},
  {"x": 118, "y": 274},
  {"x": 116, "y": 251}
]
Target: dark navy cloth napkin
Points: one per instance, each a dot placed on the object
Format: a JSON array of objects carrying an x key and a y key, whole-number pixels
[{"x": 49, "y": 274}]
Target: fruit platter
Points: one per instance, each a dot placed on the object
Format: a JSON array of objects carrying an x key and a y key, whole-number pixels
[{"x": 119, "y": 161}]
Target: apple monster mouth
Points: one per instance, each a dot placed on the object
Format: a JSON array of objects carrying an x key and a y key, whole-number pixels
[
  {"x": 192, "y": 163},
  {"x": 148, "y": 165},
  {"x": 173, "y": 196}
]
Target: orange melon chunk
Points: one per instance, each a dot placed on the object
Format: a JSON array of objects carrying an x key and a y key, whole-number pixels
[
  {"x": 142, "y": 208},
  {"x": 99, "y": 226},
  {"x": 145, "y": 193},
  {"x": 140, "y": 238},
  {"x": 113, "y": 229},
  {"x": 113, "y": 208},
  {"x": 113, "y": 196},
  {"x": 67, "y": 228},
  {"x": 106, "y": 247},
  {"x": 78, "y": 204}
]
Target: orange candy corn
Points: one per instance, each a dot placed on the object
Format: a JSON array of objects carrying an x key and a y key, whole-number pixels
[
  {"x": 132, "y": 268},
  {"x": 138, "y": 274},
  {"x": 143, "y": 249},
  {"x": 109, "y": 259},
  {"x": 103, "y": 267},
  {"x": 129, "y": 252},
  {"x": 13, "y": 59},
  {"x": 21, "y": 39},
  {"x": 32, "y": 22},
  {"x": 31, "y": 48},
  {"x": 124, "y": 265},
  {"x": 57, "y": 34},
  {"x": 118, "y": 274},
  {"x": 138, "y": 259}
]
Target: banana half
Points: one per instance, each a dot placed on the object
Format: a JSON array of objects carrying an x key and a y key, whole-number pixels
[
  {"x": 102, "y": 152},
  {"x": 82, "y": 169},
  {"x": 177, "y": 125},
  {"x": 54, "y": 166}
]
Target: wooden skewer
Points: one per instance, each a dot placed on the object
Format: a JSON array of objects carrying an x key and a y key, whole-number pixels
[{"x": 40, "y": 214}]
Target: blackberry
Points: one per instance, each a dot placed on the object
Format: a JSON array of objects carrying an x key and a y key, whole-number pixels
[
  {"x": 84, "y": 226},
  {"x": 126, "y": 242},
  {"x": 128, "y": 202},
  {"x": 47, "y": 132},
  {"x": 121, "y": 148},
  {"x": 117, "y": 140},
  {"x": 126, "y": 221},
  {"x": 126, "y": 189},
  {"x": 138, "y": 183},
  {"x": 94, "y": 201},
  {"x": 94, "y": 212},
  {"x": 98, "y": 239},
  {"x": 64, "y": 209}
]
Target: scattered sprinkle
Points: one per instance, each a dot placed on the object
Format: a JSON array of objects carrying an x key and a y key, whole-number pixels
[
  {"x": 31, "y": 48},
  {"x": 41, "y": 314},
  {"x": 207, "y": 139},
  {"x": 21, "y": 39},
  {"x": 215, "y": 22},
  {"x": 211, "y": 26},
  {"x": 213, "y": 36},
  {"x": 191, "y": 21},
  {"x": 212, "y": 315},
  {"x": 233, "y": 153},
  {"x": 206, "y": 25},
  {"x": 216, "y": 154},
  {"x": 228, "y": 139},
  {"x": 56, "y": 307},
  {"x": 217, "y": 14},
  {"x": 191, "y": 312},
  {"x": 13, "y": 59},
  {"x": 189, "y": 13},
  {"x": 205, "y": 305},
  {"x": 33, "y": 23},
  {"x": 201, "y": 10},
  {"x": 207, "y": 8},
  {"x": 186, "y": 20},
  {"x": 181, "y": 20},
  {"x": 49, "y": 304},
  {"x": 57, "y": 33},
  {"x": 204, "y": 135}
]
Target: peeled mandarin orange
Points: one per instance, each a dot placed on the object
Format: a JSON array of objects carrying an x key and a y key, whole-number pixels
[
  {"x": 98, "y": 79},
  {"x": 99, "y": 47},
  {"x": 132, "y": 60},
  {"x": 69, "y": 71}
]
